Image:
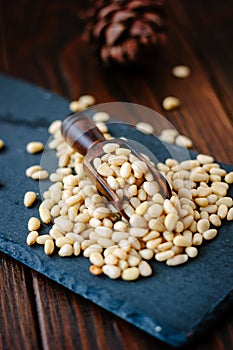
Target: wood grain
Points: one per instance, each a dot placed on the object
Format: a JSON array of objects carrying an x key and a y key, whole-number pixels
[
  {"x": 19, "y": 327},
  {"x": 42, "y": 42}
]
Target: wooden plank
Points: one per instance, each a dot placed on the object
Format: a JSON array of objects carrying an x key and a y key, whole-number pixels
[
  {"x": 208, "y": 24},
  {"x": 18, "y": 321}
]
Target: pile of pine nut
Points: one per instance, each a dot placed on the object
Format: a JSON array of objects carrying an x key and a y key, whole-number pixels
[{"x": 167, "y": 230}]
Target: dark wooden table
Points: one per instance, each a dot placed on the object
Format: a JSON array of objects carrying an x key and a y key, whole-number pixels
[{"x": 41, "y": 42}]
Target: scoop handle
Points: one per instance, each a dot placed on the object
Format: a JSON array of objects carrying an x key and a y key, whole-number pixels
[{"x": 80, "y": 132}]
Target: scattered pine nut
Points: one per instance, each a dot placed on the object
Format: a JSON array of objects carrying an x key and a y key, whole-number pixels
[
  {"x": 32, "y": 237},
  {"x": 183, "y": 141},
  {"x": 33, "y": 224},
  {"x": 101, "y": 117},
  {"x": 29, "y": 198},
  {"x": 34, "y": 147},
  {"x": 49, "y": 247},
  {"x": 169, "y": 103},
  {"x": 145, "y": 128},
  {"x": 181, "y": 71},
  {"x": 95, "y": 270},
  {"x": 1, "y": 144}
]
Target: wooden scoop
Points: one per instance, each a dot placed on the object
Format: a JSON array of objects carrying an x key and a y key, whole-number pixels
[{"x": 81, "y": 133}]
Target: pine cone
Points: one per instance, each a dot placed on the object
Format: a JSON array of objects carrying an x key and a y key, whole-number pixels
[{"x": 127, "y": 31}]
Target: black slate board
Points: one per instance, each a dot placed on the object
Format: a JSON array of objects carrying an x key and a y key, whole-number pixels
[{"x": 183, "y": 301}]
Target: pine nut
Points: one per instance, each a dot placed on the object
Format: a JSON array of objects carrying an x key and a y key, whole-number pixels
[
  {"x": 210, "y": 234},
  {"x": 181, "y": 71},
  {"x": 111, "y": 271},
  {"x": 1, "y": 144},
  {"x": 230, "y": 214},
  {"x": 101, "y": 117},
  {"x": 144, "y": 269},
  {"x": 205, "y": 159},
  {"x": 154, "y": 210},
  {"x": 163, "y": 256},
  {"x": 169, "y": 103},
  {"x": 145, "y": 128},
  {"x": 54, "y": 126},
  {"x": 29, "y": 198},
  {"x": 215, "y": 220},
  {"x": 35, "y": 147},
  {"x": 177, "y": 260},
  {"x": 203, "y": 225},
  {"x": 66, "y": 250},
  {"x": 146, "y": 253},
  {"x": 130, "y": 274},
  {"x": 197, "y": 239},
  {"x": 229, "y": 177},
  {"x": 105, "y": 170},
  {"x": 183, "y": 141},
  {"x": 33, "y": 224},
  {"x": 96, "y": 259},
  {"x": 222, "y": 211},
  {"x": 192, "y": 252},
  {"x": 95, "y": 270},
  {"x": 171, "y": 221},
  {"x": 49, "y": 247},
  {"x": 44, "y": 214},
  {"x": 181, "y": 241},
  {"x": 77, "y": 248},
  {"x": 63, "y": 224},
  {"x": 32, "y": 237}
]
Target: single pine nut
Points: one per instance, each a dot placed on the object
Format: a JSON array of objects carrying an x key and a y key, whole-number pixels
[
  {"x": 146, "y": 253},
  {"x": 145, "y": 128},
  {"x": 144, "y": 269},
  {"x": 203, "y": 225},
  {"x": 177, "y": 260},
  {"x": 110, "y": 147},
  {"x": 66, "y": 250},
  {"x": 1, "y": 144},
  {"x": 44, "y": 214},
  {"x": 162, "y": 256},
  {"x": 169, "y": 103},
  {"x": 215, "y": 220},
  {"x": 205, "y": 159},
  {"x": 77, "y": 248},
  {"x": 230, "y": 215},
  {"x": 49, "y": 247},
  {"x": 181, "y": 71},
  {"x": 210, "y": 234},
  {"x": 105, "y": 170},
  {"x": 29, "y": 198},
  {"x": 63, "y": 224},
  {"x": 222, "y": 211},
  {"x": 197, "y": 239},
  {"x": 138, "y": 221},
  {"x": 32, "y": 237},
  {"x": 191, "y": 252},
  {"x": 96, "y": 259},
  {"x": 171, "y": 221},
  {"x": 54, "y": 126},
  {"x": 33, "y": 224},
  {"x": 101, "y": 117},
  {"x": 34, "y": 147},
  {"x": 133, "y": 260},
  {"x": 95, "y": 270},
  {"x": 183, "y": 141},
  {"x": 154, "y": 210},
  {"x": 112, "y": 271},
  {"x": 130, "y": 274},
  {"x": 229, "y": 177}
]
